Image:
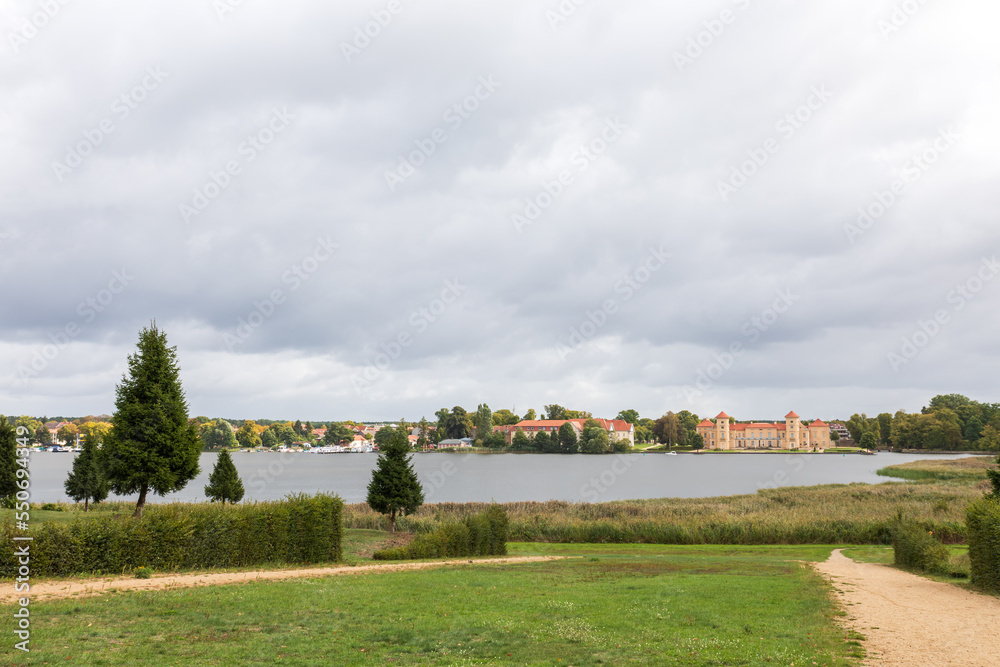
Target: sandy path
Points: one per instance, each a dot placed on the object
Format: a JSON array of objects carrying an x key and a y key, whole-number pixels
[
  {"x": 64, "y": 588},
  {"x": 913, "y": 621}
]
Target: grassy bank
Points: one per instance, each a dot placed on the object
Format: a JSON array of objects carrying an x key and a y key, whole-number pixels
[
  {"x": 972, "y": 469},
  {"x": 605, "y": 605}
]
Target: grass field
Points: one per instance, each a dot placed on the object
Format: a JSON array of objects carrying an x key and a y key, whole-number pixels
[{"x": 604, "y": 605}]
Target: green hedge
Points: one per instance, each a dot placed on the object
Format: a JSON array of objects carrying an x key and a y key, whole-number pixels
[
  {"x": 299, "y": 529},
  {"x": 916, "y": 547},
  {"x": 483, "y": 534},
  {"x": 983, "y": 527}
]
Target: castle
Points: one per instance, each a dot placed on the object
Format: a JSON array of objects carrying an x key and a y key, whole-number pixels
[{"x": 791, "y": 434}]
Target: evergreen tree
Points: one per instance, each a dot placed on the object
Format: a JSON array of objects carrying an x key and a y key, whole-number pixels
[
  {"x": 567, "y": 438},
  {"x": 595, "y": 441},
  {"x": 394, "y": 488},
  {"x": 8, "y": 459},
  {"x": 151, "y": 445},
  {"x": 299, "y": 429},
  {"x": 994, "y": 476},
  {"x": 541, "y": 442},
  {"x": 869, "y": 440},
  {"x": 338, "y": 434},
  {"x": 43, "y": 436},
  {"x": 87, "y": 480},
  {"x": 423, "y": 434},
  {"x": 484, "y": 422},
  {"x": 224, "y": 483},
  {"x": 520, "y": 441},
  {"x": 218, "y": 434}
]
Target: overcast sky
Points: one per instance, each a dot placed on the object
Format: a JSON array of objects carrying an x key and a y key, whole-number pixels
[{"x": 376, "y": 209}]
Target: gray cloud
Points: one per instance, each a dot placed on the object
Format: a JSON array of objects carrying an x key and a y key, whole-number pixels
[{"x": 553, "y": 91}]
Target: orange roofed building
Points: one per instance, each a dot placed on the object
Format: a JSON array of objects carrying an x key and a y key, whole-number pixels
[
  {"x": 790, "y": 434},
  {"x": 617, "y": 429}
]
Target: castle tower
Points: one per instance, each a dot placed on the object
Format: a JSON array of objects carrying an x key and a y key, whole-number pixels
[
  {"x": 793, "y": 430},
  {"x": 722, "y": 431}
]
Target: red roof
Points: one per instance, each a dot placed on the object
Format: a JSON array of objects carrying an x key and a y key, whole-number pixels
[
  {"x": 618, "y": 425},
  {"x": 606, "y": 424},
  {"x": 791, "y": 415},
  {"x": 722, "y": 415},
  {"x": 705, "y": 422},
  {"x": 817, "y": 423}
]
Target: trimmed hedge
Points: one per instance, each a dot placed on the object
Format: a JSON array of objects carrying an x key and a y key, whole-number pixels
[
  {"x": 917, "y": 548},
  {"x": 983, "y": 528},
  {"x": 483, "y": 534},
  {"x": 299, "y": 529}
]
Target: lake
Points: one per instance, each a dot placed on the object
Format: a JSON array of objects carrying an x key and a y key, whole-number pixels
[{"x": 514, "y": 477}]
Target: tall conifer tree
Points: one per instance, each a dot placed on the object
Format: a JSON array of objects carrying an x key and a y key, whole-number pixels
[
  {"x": 151, "y": 445},
  {"x": 8, "y": 458}
]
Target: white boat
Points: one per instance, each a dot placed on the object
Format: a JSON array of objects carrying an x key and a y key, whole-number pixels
[{"x": 671, "y": 453}]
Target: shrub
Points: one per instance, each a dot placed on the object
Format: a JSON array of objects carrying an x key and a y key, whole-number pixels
[
  {"x": 51, "y": 507},
  {"x": 299, "y": 529},
  {"x": 143, "y": 573},
  {"x": 917, "y": 548},
  {"x": 482, "y": 534},
  {"x": 983, "y": 529}
]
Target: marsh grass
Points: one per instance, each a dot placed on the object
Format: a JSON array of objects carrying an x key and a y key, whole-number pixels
[
  {"x": 828, "y": 514},
  {"x": 970, "y": 469}
]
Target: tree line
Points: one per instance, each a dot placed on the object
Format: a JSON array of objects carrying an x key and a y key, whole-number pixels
[{"x": 949, "y": 422}]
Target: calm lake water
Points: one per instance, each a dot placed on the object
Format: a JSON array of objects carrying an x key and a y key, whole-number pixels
[{"x": 515, "y": 477}]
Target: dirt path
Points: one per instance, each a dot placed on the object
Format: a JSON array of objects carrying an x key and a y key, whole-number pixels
[
  {"x": 913, "y": 621},
  {"x": 64, "y": 588}
]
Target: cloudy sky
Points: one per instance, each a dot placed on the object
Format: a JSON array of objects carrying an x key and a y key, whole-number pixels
[{"x": 375, "y": 209}]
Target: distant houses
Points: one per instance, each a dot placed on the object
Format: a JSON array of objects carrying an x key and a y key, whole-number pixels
[
  {"x": 725, "y": 434},
  {"x": 455, "y": 443}
]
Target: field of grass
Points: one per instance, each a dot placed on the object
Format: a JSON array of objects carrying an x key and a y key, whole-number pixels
[{"x": 603, "y": 605}]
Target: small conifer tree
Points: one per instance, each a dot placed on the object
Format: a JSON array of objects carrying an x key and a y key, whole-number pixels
[
  {"x": 394, "y": 488},
  {"x": 87, "y": 480},
  {"x": 224, "y": 483}
]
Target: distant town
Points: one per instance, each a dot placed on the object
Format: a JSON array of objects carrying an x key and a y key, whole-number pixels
[{"x": 949, "y": 422}]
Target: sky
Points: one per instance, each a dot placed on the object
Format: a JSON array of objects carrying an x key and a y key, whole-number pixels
[{"x": 373, "y": 210}]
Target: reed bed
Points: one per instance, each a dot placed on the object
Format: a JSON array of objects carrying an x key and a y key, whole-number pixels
[
  {"x": 840, "y": 514},
  {"x": 969, "y": 469}
]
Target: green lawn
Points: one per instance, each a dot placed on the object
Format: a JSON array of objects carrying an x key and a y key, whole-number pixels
[{"x": 605, "y": 605}]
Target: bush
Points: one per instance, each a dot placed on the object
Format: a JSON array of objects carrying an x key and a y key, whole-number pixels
[
  {"x": 143, "y": 573},
  {"x": 51, "y": 507},
  {"x": 482, "y": 534},
  {"x": 299, "y": 529},
  {"x": 917, "y": 548},
  {"x": 983, "y": 529}
]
